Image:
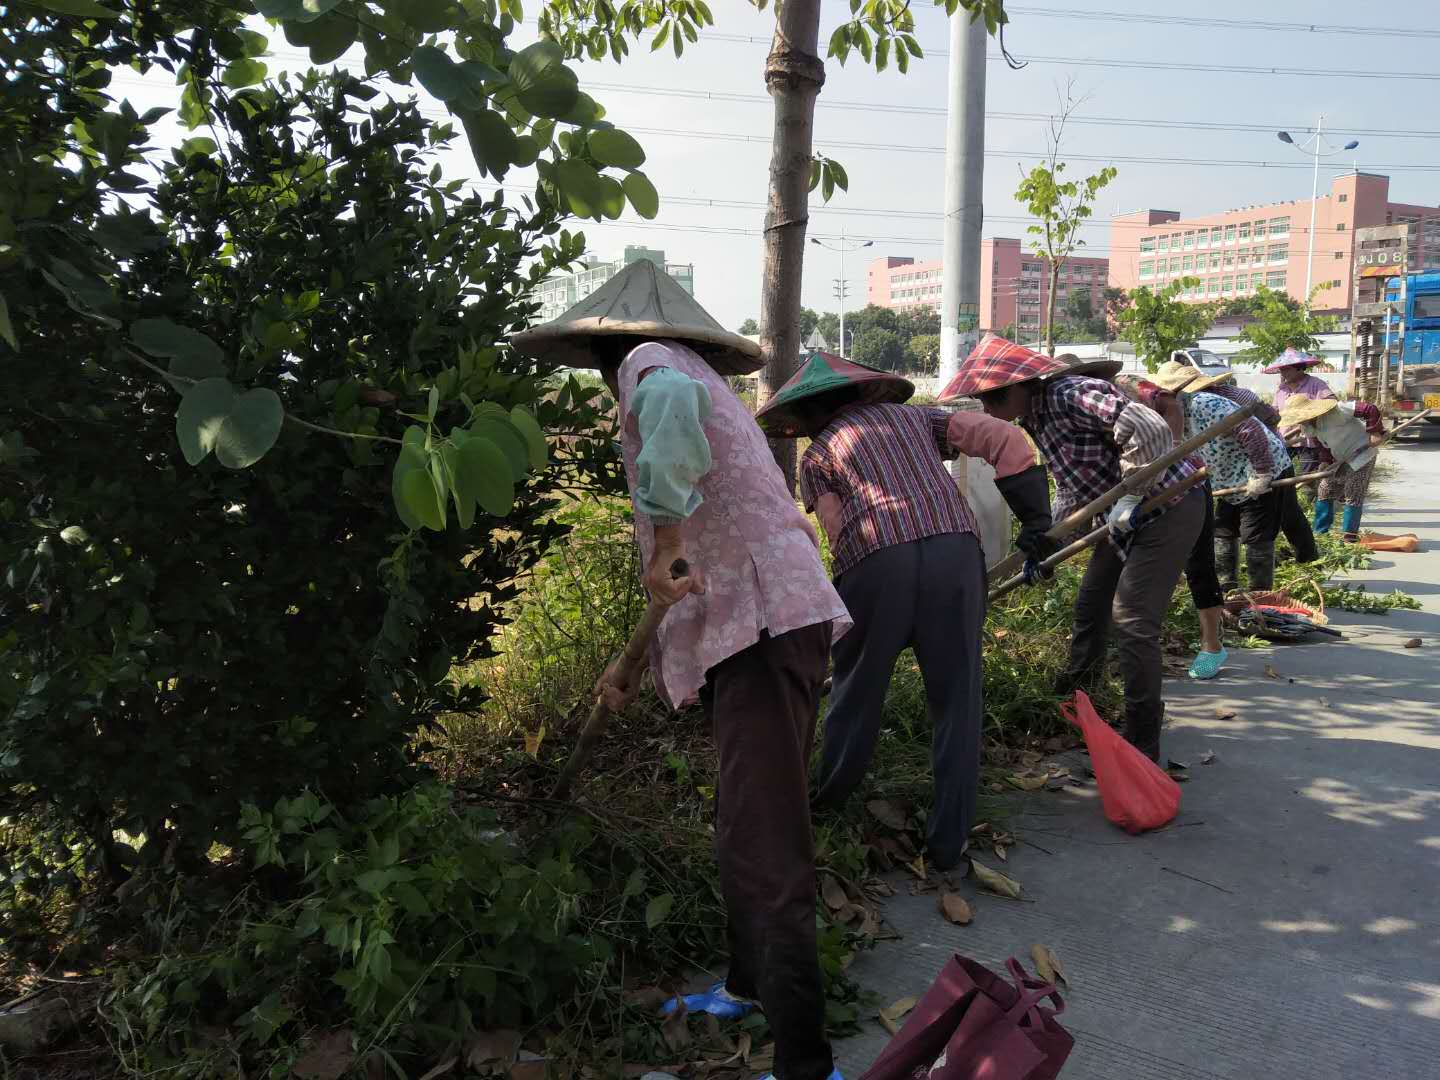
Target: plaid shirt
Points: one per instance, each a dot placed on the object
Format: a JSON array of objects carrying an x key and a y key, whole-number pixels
[
  {"x": 885, "y": 465},
  {"x": 1268, "y": 415},
  {"x": 1093, "y": 436}
]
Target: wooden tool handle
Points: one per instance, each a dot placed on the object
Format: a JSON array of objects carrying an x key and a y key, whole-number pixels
[
  {"x": 1137, "y": 481},
  {"x": 1092, "y": 538},
  {"x": 629, "y": 661}
]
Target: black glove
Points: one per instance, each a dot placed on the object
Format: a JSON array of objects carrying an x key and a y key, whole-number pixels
[{"x": 1028, "y": 496}]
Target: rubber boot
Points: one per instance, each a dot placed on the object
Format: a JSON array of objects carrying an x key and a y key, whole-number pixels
[
  {"x": 1324, "y": 516},
  {"x": 1350, "y": 522},
  {"x": 1227, "y": 562},
  {"x": 1260, "y": 566}
]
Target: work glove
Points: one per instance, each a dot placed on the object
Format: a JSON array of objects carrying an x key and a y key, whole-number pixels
[
  {"x": 1034, "y": 570},
  {"x": 1121, "y": 518},
  {"x": 1258, "y": 485},
  {"x": 1028, "y": 496}
]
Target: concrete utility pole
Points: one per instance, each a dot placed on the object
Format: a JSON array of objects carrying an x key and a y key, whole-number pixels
[{"x": 960, "y": 287}]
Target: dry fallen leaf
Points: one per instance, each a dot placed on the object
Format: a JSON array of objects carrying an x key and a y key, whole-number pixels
[
  {"x": 1001, "y": 634},
  {"x": 833, "y": 892},
  {"x": 888, "y": 814},
  {"x": 1270, "y": 672},
  {"x": 995, "y": 881},
  {"x": 981, "y": 829},
  {"x": 328, "y": 1056},
  {"x": 1180, "y": 776},
  {"x": 1047, "y": 965},
  {"x": 898, "y": 1009},
  {"x": 870, "y": 925},
  {"x": 1207, "y": 758},
  {"x": 918, "y": 867},
  {"x": 676, "y": 1030},
  {"x": 533, "y": 739},
  {"x": 997, "y": 787},
  {"x": 1000, "y": 853},
  {"x": 1171, "y": 763},
  {"x": 716, "y": 1036},
  {"x": 955, "y": 909},
  {"x": 1026, "y": 783},
  {"x": 1223, "y": 713},
  {"x": 1414, "y": 643},
  {"x": 649, "y": 998}
]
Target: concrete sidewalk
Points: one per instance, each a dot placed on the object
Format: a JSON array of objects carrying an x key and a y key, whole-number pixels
[{"x": 1285, "y": 926}]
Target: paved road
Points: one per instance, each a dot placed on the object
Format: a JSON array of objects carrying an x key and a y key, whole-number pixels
[{"x": 1309, "y": 948}]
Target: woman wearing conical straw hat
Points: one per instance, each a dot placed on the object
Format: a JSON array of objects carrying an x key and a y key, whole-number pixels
[
  {"x": 748, "y": 632},
  {"x": 1347, "y": 433},
  {"x": 1092, "y": 436},
  {"x": 908, "y": 565},
  {"x": 1251, "y": 457}
]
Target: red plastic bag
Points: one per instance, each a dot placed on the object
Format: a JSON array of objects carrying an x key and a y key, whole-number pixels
[{"x": 1136, "y": 793}]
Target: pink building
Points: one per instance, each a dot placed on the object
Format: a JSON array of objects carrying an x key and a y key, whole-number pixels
[
  {"x": 1234, "y": 252},
  {"x": 1013, "y": 284}
]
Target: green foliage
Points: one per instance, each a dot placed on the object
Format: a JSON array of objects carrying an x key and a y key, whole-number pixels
[
  {"x": 1062, "y": 207},
  {"x": 1157, "y": 323},
  {"x": 878, "y": 347},
  {"x": 881, "y": 29},
  {"x": 184, "y": 633},
  {"x": 1279, "y": 324},
  {"x": 749, "y": 326},
  {"x": 922, "y": 354}
]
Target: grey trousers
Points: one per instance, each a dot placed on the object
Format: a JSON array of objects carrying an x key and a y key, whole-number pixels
[
  {"x": 929, "y": 594},
  {"x": 1130, "y": 596}
]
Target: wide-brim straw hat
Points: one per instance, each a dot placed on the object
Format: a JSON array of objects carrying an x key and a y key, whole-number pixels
[
  {"x": 1291, "y": 358},
  {"x": 1174, "y": 376},
  {"x": 821, "y": 375},
  {"x": 642, "y": 301},
  {"x": 996, "y": 364},
  {"x": 1301, "y": 410},
  {"x": 1200, "y": 385},
  {"x": 1094, "y": 369}
]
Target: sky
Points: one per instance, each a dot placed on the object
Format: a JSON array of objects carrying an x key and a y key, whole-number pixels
[{"x": 705, "y": 120}]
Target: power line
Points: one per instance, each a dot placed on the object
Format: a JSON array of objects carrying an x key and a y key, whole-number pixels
[
  {"x": 1120, "y": 159},
  {"x": 931, "y": 110},
  {"x": 1207, "y": 23}
]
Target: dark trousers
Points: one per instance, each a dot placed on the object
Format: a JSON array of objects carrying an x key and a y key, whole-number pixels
[
  {"x": 1130, "y": 595},
  {"x": 928, "y": 594},
  {"x": 1255, "y": 523},
  {"x": 1296, "y": 526},
  {"x": 1200, "y": 575},
  {"x": 762, "y": 703}
]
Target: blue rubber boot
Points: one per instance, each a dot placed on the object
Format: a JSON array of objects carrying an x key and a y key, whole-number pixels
[
  {"x": 1350, "y": 522},
  {"x": 717, "y": 1001},
  {"x": 1324, "y": 516}
]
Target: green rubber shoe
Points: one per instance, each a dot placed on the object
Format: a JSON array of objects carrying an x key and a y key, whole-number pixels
[{"x": 1207, "y": 665}]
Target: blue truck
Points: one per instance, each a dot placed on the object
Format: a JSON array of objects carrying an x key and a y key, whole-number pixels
[{"x": 1411, "y": 330}]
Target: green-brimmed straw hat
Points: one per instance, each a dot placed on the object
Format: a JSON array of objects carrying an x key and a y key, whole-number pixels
[
  {"x": 643, "y": 301},
  {"x": 824, "y": 373}
]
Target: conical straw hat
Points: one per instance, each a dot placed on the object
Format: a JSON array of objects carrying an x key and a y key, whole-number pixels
[
  {"x": 1301, "y": 410},
  {"x": 997, "y": 363},
  {"x": 1175, "y": 375},
  {"x": 1095, "y": 369},
  {"x": 824, "y": 373},
  {"x": 1291, "y": 358},
  {"x": 645, "y": 301}
]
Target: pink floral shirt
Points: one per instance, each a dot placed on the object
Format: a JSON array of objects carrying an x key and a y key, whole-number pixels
[{"x": 759, "y": 553}]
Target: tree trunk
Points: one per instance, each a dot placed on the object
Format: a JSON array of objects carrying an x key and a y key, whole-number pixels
[
  {"x": 1054, "y": 272},
  {"x": 794, "y": 74}
]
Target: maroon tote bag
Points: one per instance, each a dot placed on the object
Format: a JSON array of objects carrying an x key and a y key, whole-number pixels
[{"x": 974, "y": 1025}]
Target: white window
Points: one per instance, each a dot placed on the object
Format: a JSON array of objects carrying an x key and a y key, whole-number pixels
[
  {"x": 1245, "y": 232},
  {"x": 1189, "y": 241},
  {"x": 1279, "y": 253},
  {"x": 1215, "y": 236},
  {"x": 1227, "y": 286},
  {"x": 1212, "y": 287},
  {"x": 1229, "y": 234},
  {"x": 1275, "y": 281},
  {"x": 1280, "y": 226},
  {"x": 1147, "y": 244}
]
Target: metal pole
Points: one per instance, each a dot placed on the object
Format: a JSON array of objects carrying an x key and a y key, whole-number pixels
[
  {"x": 1314, "y": 197},
  {"x": 964, "y": 193},
  {"x": 842, "y": 290}
]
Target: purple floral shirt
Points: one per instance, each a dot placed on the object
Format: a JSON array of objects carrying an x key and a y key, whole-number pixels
[{"x": 759, "y": 553}]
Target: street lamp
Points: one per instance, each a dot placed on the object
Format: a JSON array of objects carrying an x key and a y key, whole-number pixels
[
  {"x": 1314, "y": 142},
  {"x": 842, "y": 290}
]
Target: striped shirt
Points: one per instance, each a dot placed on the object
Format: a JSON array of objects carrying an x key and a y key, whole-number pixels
[
  {"x": 885, "y": 465},
  {"x": 1093, "y": 436}
]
